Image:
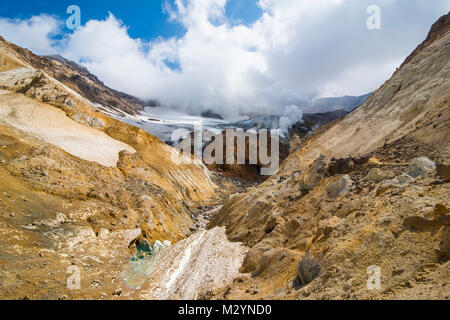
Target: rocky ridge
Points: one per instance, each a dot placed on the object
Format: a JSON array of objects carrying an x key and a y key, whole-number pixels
[{"x": 72, "y": 75}]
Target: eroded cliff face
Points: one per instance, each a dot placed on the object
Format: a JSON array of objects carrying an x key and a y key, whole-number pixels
[
  {"x": 353, "y": 196},
  {"x": 78, "y": 187}
]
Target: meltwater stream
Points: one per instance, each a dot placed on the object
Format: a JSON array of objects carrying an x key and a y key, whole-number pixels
[{"x": 205, "y": 261}]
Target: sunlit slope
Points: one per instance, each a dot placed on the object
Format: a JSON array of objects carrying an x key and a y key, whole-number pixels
[
  {"x": 352, "y": 196},
  {"x": 77, "y": 187}
]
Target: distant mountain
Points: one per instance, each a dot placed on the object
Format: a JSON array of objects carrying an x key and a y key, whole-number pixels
[
  {"x": 78, "y": 79},
  {"x": 117, "y": 97},
  {"x": 81, "y": 80},
  {"x": 212, "y": 115},
  {"x": 347, "y": 103}
]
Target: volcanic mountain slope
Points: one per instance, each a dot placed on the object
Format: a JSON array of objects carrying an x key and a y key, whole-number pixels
[
  {"x": 358, "y": 195},
  {"x": 78, "y": 187},
  {"x": 72, "y": 75}
]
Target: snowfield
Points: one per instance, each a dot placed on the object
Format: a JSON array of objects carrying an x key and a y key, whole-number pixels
[{"x": 54, "y": 127}]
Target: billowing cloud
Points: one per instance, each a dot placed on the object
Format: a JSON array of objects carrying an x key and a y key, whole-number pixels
[
  {"x": 35, "y": 34},
  {"x": 295, "y": 51}
]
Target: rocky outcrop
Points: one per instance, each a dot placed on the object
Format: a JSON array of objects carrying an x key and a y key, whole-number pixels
[
  {"x": 308, "y": 270},
  {"x": 421, "y": 166},
  {"x": 339, "y": 186},
  {"x": 245, "y": 170}
]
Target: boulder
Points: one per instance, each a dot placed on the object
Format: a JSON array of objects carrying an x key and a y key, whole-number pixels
[
  {"x": 339, "y": 186},
  {"x": 398, "y": 181},
  {"x": 268, "y": 258},
  {"x": 250, "y": 262},
  {"x": 376, "y": 175},
  {"x": 341, "y": 166},
  {"x": 420, "y": 166},
  {"x": 316, "y": 173},
  {"x": 308, "y": 270},
  {"x": 272, "y": 223}
]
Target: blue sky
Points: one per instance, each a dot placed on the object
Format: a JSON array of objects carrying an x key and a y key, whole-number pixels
[{"x": 145, "y": 18}]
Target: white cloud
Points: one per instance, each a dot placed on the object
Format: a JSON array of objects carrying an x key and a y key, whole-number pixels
[
  {"x": 34, "y": 34},
  {"x": 295, "y": 51}
]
